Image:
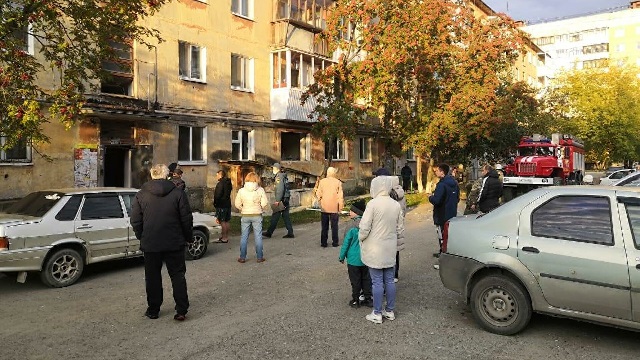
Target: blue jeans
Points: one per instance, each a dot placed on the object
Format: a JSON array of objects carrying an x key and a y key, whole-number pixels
[
  {"x": 246, "y": 222},
  {"x": 381, "y": 280}
]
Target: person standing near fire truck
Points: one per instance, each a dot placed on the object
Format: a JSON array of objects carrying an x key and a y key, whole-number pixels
[{"x": 491, "y": 190}]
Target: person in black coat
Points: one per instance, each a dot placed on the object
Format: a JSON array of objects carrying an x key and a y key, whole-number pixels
[
  {"x": 222, "y": 203},
  {"x": 162, "y": 220},
  {"x": 491, "y": 190},
  {"x": 406, "y": 173}
]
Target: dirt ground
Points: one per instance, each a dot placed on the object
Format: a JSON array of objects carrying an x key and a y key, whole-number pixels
[{"x": 293, "y": 306}]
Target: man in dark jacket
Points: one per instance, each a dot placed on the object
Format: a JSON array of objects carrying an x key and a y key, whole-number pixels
[
  {"x": 281, "y": 195},
  {"x": 162, "y": 220},
  {"x": 222, "y": 203},
  {"x": 445, "y": 201},
  {"x": 491, "y": 190}
]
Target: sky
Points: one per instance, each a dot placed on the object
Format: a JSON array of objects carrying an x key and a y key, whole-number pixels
[{"x": 536, "y": 10}]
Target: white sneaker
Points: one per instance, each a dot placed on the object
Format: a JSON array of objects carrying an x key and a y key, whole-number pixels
[
  {"x": 395, "y": 280},
  {"x": 389, "y": 315},
  {"x": 374, "y": 318},
  {"x": 361, "y": 297},
  {"x": 436, "y": 266}
]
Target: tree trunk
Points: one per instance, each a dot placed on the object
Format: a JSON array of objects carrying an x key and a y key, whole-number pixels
[{"x": 419, "y": 173}]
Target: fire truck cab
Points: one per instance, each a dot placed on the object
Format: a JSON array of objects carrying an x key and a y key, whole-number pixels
[{"x": 541, "y": 161}]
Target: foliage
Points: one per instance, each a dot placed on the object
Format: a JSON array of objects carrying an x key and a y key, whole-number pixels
[
  {"x": 429, "y": 69},
  {"x": 602, "y": 107},
  {"x": 71, "y": 40}
]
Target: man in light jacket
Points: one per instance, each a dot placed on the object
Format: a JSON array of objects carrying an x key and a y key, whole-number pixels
[
  {"x": 381, "y": 233},
  {"x": 329, "y": 194}
]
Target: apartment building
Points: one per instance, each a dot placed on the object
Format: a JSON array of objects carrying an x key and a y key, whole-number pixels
[
  {"x": 590, "y": 41},
  {"x": 222, "y": 91}
]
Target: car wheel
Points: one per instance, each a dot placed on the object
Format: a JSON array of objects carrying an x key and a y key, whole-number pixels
[
  {"x": 500, "y": 305},
  {"x": 198, "y": 247},
  {"x": 62, "y": 268}
]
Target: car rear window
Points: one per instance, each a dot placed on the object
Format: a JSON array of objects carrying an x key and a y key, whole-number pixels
[{"x": 35, "y": 204}]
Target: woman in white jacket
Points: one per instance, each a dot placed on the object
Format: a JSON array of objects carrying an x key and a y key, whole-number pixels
[
  {"x": 251, "y": 201},
  {"x": 381, "y": 231}
]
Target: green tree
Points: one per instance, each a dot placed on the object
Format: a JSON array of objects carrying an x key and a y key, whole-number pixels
[
  {"x": 72, "y": 39},
  {"x": 602, "y": 107}
]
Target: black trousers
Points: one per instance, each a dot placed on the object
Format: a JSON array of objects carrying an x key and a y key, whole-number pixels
[
  {"x": 406, "y": 183},
  {"x": 324, "y": 233},
  {"x": 360, "y": 281},
  {"x": 275, "y": 217},
  {"x": 176, "y": 268}
]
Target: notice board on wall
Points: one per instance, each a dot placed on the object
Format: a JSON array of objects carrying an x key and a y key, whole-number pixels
[{"x": 85, "y": 167}]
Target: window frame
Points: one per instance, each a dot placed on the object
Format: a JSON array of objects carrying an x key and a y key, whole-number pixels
[
  {"x": 250, "y": 144},
  {"x": 610, "y": 219},
  {"x": 247, "y": 13},
  {"x": 246, "y": 80},
  {"x": 191, "y": 160},
  {"x": 410, "y": 154},
  {"x": 366, "y": 144},
  {"x": 28, "y": 160},
  {"x": 189, "y": 52},
  {"x": 341, "y": 149}
]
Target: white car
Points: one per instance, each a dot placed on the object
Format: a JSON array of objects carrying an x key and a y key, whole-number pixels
[
  {"x": 632, "y": 179},
  {"x": 58, "y": 232},
  {"x": 615, "y": 176}
]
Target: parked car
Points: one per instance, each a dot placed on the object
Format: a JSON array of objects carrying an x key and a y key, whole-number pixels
[
  {"x": 570, "y": 251},
  {"x": 611, "y": 169},
  {"x": 615, "y": 176},
  {"x": 632, "y": 179},
  {"x": 58, "y": 232}
]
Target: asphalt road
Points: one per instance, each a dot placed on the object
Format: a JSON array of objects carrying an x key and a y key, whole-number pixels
[{"x": 293, "y": 306}]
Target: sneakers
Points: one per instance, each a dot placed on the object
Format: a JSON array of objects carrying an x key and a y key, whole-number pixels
[
  {"x": 395, "y": 280},
  {"x": 374, "y": 318},
  {"x": 361, "y": 298},
  {"x": 367, "y": 302},
  {"x": 261, "y": 260},
  {"x": 242, "y": 260},
  {"x": 288, "y": 236},
  {"x": 179, "y": 317},
  {"x": 436, "y": 266},
  {"x": 354, "y": 304},
  {"x": 266, "y": 234},
  {"x": 389, "y": 315},
  {"x": 335, "y": 244}
]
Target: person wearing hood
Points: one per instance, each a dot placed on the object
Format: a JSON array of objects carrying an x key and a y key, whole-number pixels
[
  {"x": 491, "y": 189},
  {"x": 161, "y": 219},
  {"x": 222, "y": 203},
  {"x": 445, "y": 200},
  {"x": 251, "y": 201},
  {"x": 397, "y": 194},
  {"x": 381, "y": 232}
]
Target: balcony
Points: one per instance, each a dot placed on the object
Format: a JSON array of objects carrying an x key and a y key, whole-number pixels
[
  {"x": 309, "y": 14},
  {"x": 286, "y": 105}
]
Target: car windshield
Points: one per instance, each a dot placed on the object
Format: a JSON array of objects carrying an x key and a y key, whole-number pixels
[
  {"x": 35, "y": 204},
  {"x": 536, "y": 151},
  {"x": 628, "y": 179}
]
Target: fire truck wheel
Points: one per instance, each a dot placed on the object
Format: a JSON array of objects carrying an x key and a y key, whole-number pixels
[
  {"x": 507, "y": 194},
  {"x": 557, "y": 181}
]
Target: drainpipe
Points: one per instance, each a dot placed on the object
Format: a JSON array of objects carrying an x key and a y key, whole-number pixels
[{"x": 155, "y": 74}]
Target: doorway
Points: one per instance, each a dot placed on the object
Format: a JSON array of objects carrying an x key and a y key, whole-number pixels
[{"x": 117, "y": 166}]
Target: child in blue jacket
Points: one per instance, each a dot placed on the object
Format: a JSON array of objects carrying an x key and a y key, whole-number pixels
[{"x": 358, "y": 271}]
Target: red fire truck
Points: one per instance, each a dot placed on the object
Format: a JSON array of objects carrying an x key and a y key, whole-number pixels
[{"x": 541, "y": 161}]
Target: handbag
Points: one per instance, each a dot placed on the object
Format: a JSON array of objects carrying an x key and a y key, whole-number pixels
[{"x": 277, "y": 208}]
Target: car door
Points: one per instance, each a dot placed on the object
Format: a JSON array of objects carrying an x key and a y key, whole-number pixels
[
  {"x": 103, "y": 226},
  {"x": 573, "y": 246},
  {"x": 629, "y": 209},
  {"x": 133, "y": 247}
]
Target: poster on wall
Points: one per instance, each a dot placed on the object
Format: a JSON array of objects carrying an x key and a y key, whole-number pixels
[{"x": 85, "y": 167}]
